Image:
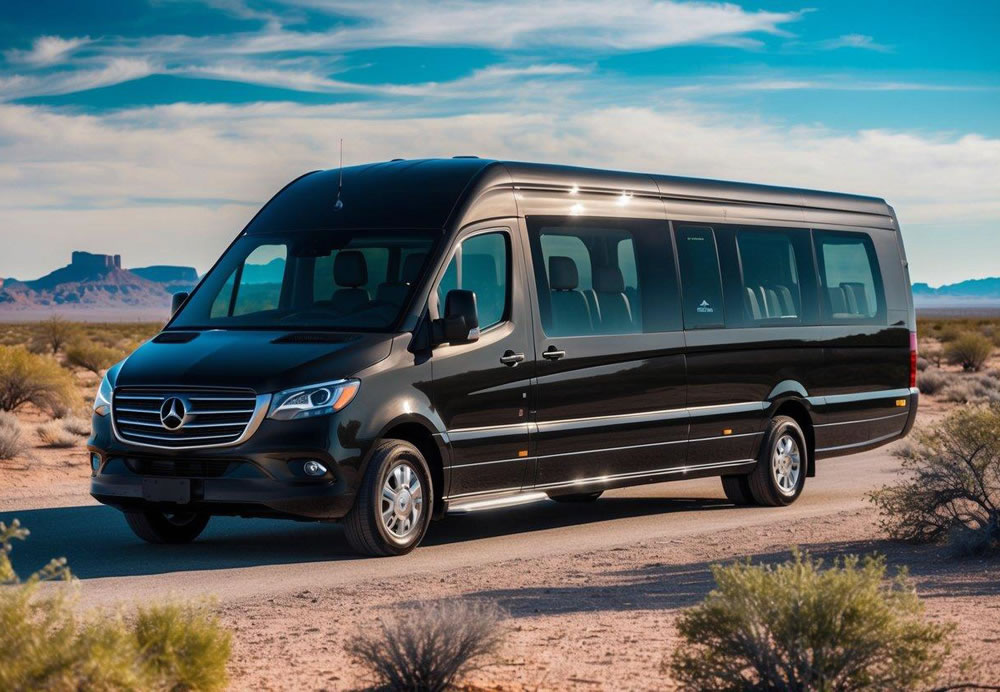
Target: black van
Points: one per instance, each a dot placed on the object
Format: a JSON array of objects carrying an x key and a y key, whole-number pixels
[{"x": 390, "y": 342}]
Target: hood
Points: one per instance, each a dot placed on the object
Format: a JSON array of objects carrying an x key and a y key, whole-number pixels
[{"x": 265, "y": 361}]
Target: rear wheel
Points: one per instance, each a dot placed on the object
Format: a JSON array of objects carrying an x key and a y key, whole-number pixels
[
  {"x": 577, "y": 497},
  {"x": 780, "y": 473},
  {"x": 737, "y": 489},
  {"x": 166, "y": 527},
  {"x": 394, "y": 504}
]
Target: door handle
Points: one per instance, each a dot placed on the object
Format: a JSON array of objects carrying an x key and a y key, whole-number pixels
[
  {"x": 552, "y": 353},
  {"x": 510, "y": 358}
]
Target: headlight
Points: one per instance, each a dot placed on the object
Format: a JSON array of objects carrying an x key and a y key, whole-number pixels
[
  {"x": 102, "y": 402},
  {"x": 313, "y": 400}
]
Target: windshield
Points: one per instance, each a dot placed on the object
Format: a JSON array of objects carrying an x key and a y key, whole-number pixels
[{"x": 353, "y": 280}]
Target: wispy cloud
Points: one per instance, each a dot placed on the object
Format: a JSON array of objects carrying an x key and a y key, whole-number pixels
[
  {"x": 113, "y": 71},
  {"x": 46, "y": 50},
  {"x": 855, "y": 41}
]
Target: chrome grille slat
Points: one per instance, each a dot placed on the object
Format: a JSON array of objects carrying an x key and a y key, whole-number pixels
[{"x": 211, "y": 417}]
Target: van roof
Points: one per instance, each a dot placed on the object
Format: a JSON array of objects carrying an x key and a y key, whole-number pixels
[{"x": 425, "y": 193}]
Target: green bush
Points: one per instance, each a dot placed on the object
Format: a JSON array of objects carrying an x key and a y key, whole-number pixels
[
  {"x": 800, "y": 626},
  {"x": 92, "y": 356},
  {"x": 430, "y": 647},
  {"x": 46, "y": 644},
  {"x": 26, "y": 377},
  {"x": 950, "y": 487},
  {"x": 969, "y": 350}
]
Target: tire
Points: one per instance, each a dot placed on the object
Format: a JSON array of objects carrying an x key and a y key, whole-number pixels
[
  {"x": 780, "y": 474},
  {"x": 737, "y": 489},
  {"x": 577, "y": 497},
  {"x": 163, "y": 527},
  {"x": 409, "y": 515}
]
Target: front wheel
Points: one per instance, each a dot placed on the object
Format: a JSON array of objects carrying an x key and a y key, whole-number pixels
[
  {"x": 780, "y": 473},
  {"x": 394, "y": 503},
  {"x": 166, "y": 527}
]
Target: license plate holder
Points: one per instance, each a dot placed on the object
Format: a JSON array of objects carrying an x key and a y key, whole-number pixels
[{"x": 176, "y": 490}]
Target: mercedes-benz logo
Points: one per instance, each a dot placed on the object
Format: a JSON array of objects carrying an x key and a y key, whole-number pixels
[{"x": 172, "y": 413}]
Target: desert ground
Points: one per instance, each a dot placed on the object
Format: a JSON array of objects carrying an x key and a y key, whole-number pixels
[{"x": 593, "y": 592}]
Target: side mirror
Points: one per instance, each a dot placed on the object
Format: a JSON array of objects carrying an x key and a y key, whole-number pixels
[
  {"x": 460, "y": 324},
  {"x": 176, "y": 301}
]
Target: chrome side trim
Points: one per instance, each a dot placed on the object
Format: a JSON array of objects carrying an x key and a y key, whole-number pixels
[
  {"x": 263, "y": 402},
  {"x": 859, "y": 396},
  {"x": 496, "y": 503},
  {"x": 648, "y": 474},
  {"x": 874, "y": 441},
  {"x": 863, "y": 420}
]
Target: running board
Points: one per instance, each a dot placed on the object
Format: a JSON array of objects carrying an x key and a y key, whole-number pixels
[{"x": 473, "y": 505}]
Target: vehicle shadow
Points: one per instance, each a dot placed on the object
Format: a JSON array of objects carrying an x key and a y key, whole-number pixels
[{"x": 96, "y": 541}]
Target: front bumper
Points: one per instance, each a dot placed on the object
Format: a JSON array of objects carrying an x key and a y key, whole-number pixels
[{"x": 261, "y": 477}]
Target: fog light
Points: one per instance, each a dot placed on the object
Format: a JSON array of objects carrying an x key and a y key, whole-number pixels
[
  {"x": 95, "y": 462},
  {"x": 313, "y": 468}
]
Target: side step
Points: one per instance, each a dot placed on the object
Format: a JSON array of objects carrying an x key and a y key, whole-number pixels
[{"x": 478, "y": 505}]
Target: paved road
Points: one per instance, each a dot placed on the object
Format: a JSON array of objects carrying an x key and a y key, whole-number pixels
[{"x": 238, "y": 558}]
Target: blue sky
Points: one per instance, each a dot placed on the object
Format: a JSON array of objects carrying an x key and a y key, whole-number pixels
[{"x": 155, "y": 129}]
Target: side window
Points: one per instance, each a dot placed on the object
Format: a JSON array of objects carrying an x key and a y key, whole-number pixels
[
  {"x": 602, "y": 276},
  {"x": 771, "y": 285},
  {"x": 849, "y": 272},
  {"x": 701, "y": 283},
  {"x": 480, "y": 264}
]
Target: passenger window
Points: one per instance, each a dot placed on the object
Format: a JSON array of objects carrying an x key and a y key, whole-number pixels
[
  {"x": 259, "y": 289},
  {"x": 480, "y": 264},
  {"x": 701, "y": 283},
  {"x": 850, "y": 276},
  {"x": 589, "y": 275},
  {"x": 771, "y": 287}
]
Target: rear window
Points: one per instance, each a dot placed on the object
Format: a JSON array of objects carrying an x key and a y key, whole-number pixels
[{"x": 848, "y": 270}]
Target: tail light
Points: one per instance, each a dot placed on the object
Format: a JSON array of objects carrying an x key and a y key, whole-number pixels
[{"x": 913, "y": 359}]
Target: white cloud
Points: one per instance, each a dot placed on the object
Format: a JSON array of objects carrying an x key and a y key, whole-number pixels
[
  {"x": 47, "y": 50},
  {"x": 175, "y": 183},
  {"x": 854, "y": 41},
  {"x": 114, "y": 71}
]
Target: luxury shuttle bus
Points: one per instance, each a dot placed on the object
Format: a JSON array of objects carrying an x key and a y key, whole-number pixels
[{"x": 387, "y": 343}]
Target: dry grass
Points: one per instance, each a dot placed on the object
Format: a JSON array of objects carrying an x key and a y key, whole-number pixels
[
  {"x": 53, "y": 434},
  {"x": 77, "y": 425},
  {"x": 29, "y": 378},
  {"x": 429, "y": 647},
  {"x": 12, "y": 442}
]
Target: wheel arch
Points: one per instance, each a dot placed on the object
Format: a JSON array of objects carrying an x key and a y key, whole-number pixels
[
  {"x": 797, "y": 408},
  {"x": 421, "y": 435}
]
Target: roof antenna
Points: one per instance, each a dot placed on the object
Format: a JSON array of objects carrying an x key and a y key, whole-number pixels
[{"x": 340, "y": 186}]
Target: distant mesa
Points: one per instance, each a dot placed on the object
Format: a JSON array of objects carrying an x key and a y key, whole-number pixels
[
  {"x": 970, "y": 291},
  {"x": 98, "y": 281}
]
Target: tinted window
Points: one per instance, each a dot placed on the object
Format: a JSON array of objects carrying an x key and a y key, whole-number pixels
[
  {"x": 771, "y": 285},
  {"x": 603, "y": 276},
  {"x": 849, "y": 273},
  {"x": 306, "y": 280},
  {"x": 701, "y": 284},
  {"x": 480, "y": 264}
]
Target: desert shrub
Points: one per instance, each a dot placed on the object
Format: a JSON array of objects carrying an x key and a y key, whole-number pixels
[
  {"x": 981, "y": 388},
  {"x": 800, "y": 626},
  {"x": 949, "y": 332},
  {"x": 47, "y": 644},
  {"x": 934, "y": 355},
  {"x": 76, "y": 425},
  {"x": 26, "y": 377},
  {"x": 53, "y": 434},
  {"x": 429, "y": 647},
  {"x": 922, "y": 363},
  {"x": 55, "y": 332},
  {"x": 12, "y": 442},
  {"x": 951, "y": 484},
  {"x": 92, "y": 356},
  {"x": 183, "y": 647},
  {"x": 932, "y": 381},
  {"x": 969, "y": 350}
]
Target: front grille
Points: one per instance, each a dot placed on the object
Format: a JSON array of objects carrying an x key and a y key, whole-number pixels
[{"x": 212, "y": 416}]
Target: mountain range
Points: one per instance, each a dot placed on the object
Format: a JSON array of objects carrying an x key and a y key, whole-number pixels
[{"x": 978, "y": 290}]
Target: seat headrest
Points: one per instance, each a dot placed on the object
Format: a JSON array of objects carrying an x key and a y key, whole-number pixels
[
  {"x": 608, "y": 280},
  {"x": 350, "y": 269},
  {"x": 562, "y": 274},
  {"x": 412, "y": 266}
]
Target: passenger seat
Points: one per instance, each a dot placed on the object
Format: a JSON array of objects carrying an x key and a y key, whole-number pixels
[
  {"x": 615, "y": 311},
  {"x": 395, "y": 292},
  {"x": 350, "y": 271},
  {"x": 570, "y": 314}
]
